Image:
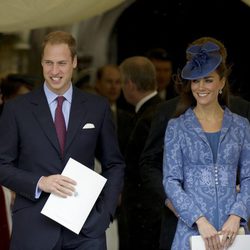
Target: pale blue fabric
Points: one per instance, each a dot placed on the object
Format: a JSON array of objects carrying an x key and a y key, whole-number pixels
[{"x": 195, "y": 184}]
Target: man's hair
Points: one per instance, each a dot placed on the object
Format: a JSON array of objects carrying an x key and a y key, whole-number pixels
[
  {"x": 100, "y": 71},
  {"x": 60, "y": 37},
  {"x": 158, "y": 54},
  {"x": 140, "y": 71}
]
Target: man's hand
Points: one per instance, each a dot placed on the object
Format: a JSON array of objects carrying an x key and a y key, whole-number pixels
[
  {"x": 170, "y": 206},
  {"x": 57, "y": 184}
]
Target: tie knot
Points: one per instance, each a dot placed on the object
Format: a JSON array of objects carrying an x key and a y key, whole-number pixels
[{"x": 60, "y": 100}]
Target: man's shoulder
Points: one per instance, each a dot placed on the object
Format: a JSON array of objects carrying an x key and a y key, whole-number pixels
[
  {"x": 169, "y": 104},
  {"x": 236, "y": 100},
  {"x": 89, "y": 97},
  {"x": 166, "y": 109},
  {"x": 150, "y": 105},
  {"x": 239, "y": 106},
  {"x": 20, "y": 100}
]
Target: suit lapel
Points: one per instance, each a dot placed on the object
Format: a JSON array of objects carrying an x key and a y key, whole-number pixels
[
  {"x": 41, "y": 111},
  {"x": 76, "y": 119}
]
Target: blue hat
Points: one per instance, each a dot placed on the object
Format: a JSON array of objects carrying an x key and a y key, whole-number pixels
[{"x": 204, "y": 59}]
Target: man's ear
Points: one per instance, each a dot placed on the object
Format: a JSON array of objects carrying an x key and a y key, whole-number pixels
[{"x": 131, "y": 85}]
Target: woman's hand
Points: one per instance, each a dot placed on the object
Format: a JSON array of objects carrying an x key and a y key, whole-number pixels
[
  {"x": 209, "y": 234},
  {"x": 230, "y": 230}
]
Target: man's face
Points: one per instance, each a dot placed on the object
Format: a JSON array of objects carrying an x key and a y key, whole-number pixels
[
  {"x": 110, "y": 84},
  {"x": 58, "y": 67},
  {"x": 163, "y": 73}
]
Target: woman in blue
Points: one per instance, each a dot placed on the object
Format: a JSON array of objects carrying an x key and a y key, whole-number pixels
[{"x": 206, "y": 147}]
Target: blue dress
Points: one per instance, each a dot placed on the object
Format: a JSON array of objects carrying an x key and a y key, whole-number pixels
[{"x": 199, "y": 185}]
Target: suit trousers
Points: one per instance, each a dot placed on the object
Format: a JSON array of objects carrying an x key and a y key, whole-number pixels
[{"x": 71, "y": 241}]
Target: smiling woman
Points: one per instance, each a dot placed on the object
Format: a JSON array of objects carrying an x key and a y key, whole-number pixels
[{"x": 205, "y": 146}]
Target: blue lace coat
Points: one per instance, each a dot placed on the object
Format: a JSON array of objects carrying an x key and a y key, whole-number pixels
[{"x": 195, "y": 184}]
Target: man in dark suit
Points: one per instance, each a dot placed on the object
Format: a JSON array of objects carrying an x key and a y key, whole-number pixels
[
  {"x": 32, "y": 158},
  {"x": 151, "y": 165},
  {"x": 139, "y": 86},
  {"x": 108, "y": 84},
  {"x": 164, "y": 70}
]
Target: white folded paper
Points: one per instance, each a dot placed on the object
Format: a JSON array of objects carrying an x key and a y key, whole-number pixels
[
  {"x": 241, "y": 242},
  {"x": 72, "y": 212}
]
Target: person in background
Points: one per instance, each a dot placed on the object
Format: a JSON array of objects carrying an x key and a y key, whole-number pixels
[
  {"x": 108, "y": 84},
  {"x": 11, "y": 86},
  {"x": 83, "y": 81},
  {"x": 139, "y": 87},
  {"x": 33, "y": 152},
  {"x": 205, "y": 146},
  {"x": 164, "y": 71},
  {"x": 16, "y": 84},
  {"x": 151, "y": 174},
  {"x": 4, "y": 224},
  {"x": 1, "y": 100}
]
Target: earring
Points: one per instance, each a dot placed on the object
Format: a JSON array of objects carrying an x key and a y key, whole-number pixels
[{"x": 220, "y": 91}]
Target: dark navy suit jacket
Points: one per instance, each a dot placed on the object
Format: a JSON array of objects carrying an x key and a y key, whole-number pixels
[{"x": 29, "y": 149}]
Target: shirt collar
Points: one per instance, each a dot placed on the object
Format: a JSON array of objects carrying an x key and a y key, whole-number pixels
[{"x": 51, "y": 96}]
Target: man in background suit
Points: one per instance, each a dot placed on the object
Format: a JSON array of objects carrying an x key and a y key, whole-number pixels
[
  {"x": 164, "y": 70},
  {"x": 11, "y": 86},
  {"x": 139, "y": 87},
  {"x": 31, "y": 157},
  {"x": 108, "y": 84},
  {"x": 151, "y": 164}
]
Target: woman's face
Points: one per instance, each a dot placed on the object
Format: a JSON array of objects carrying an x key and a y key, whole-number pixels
[{"x": 206, "y": 90}]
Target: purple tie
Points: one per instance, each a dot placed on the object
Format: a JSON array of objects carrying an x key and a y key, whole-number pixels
[{"x": 60, "y": 123}]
